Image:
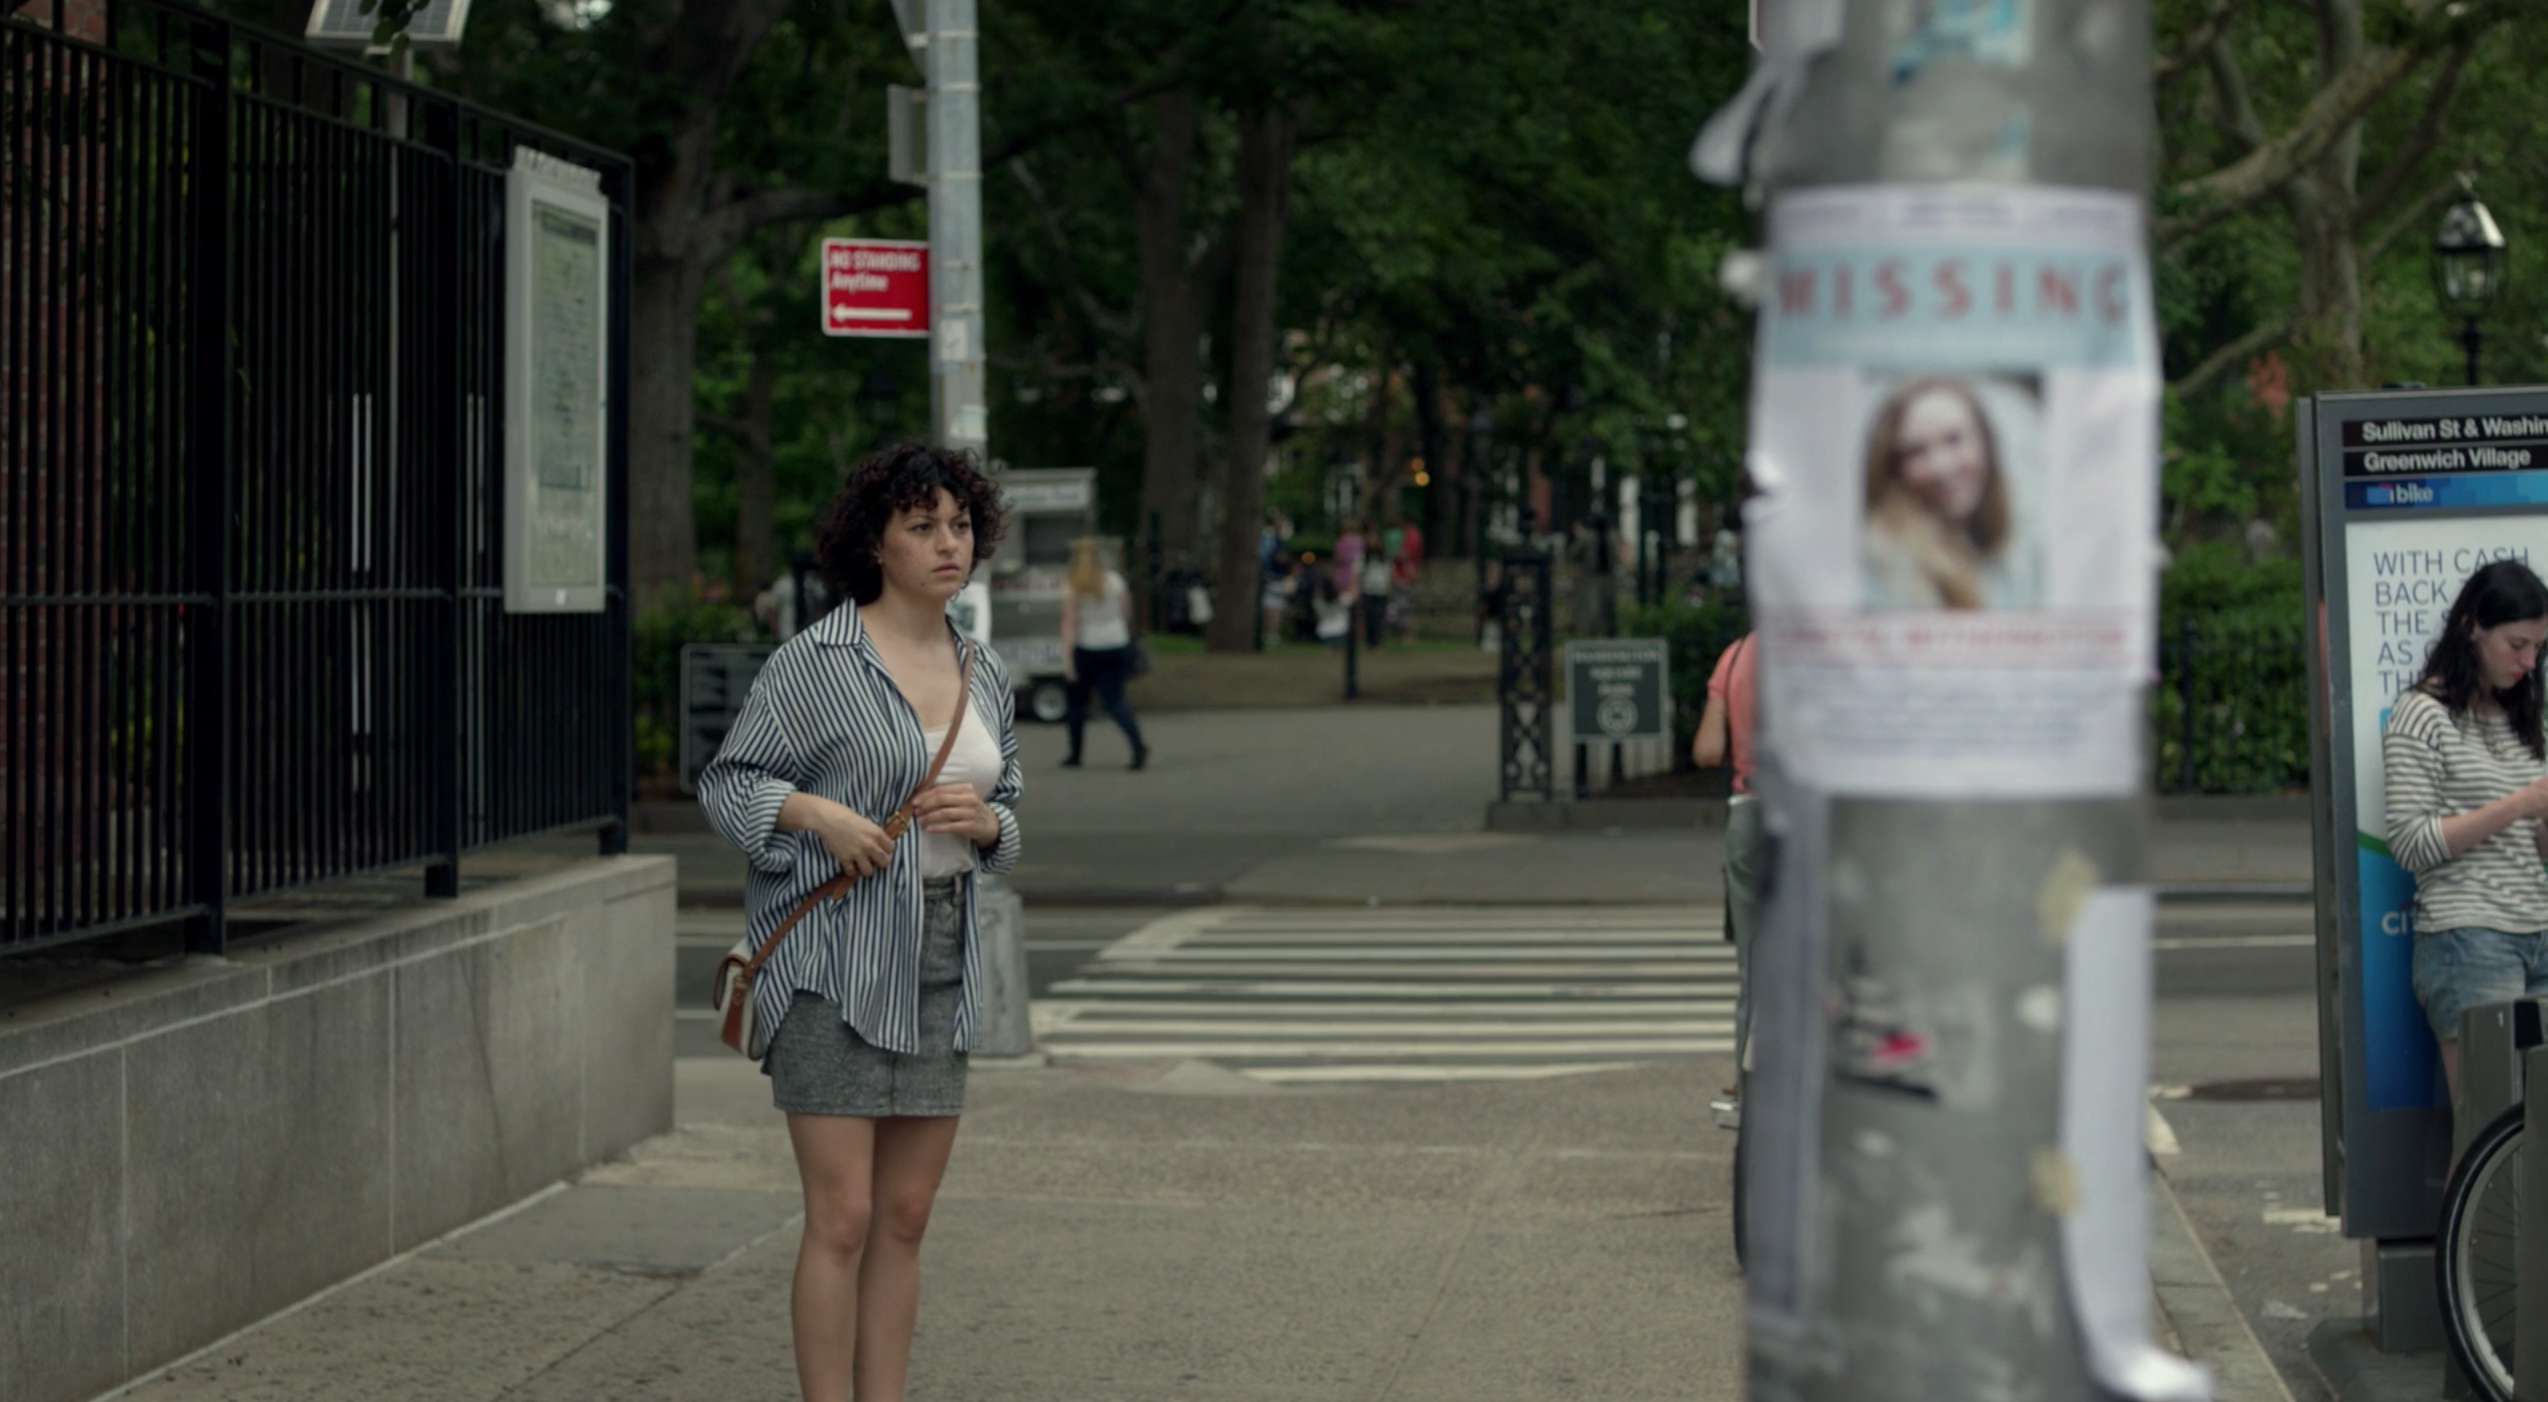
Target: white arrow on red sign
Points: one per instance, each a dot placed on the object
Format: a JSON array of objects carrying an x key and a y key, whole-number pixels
[{"x": 875, "y": 287}]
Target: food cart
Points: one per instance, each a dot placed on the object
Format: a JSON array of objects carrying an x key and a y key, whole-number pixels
[{"x": 1047, "y": 511}]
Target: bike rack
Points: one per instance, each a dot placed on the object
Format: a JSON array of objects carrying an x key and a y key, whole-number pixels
[{"x": 2494, "y": 1040}]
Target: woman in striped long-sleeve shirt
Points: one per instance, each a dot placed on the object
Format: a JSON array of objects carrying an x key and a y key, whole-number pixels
[
  {"x": 2466, "y": 773},
  {"x": 873, "y": 995}
]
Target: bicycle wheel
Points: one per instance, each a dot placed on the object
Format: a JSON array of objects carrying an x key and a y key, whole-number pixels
[{"x": 2481, "y": 1227}]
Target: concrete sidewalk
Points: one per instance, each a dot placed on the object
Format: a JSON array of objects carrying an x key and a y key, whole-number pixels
[
  {"x": 1137, "y": 1232},
  {"x": 1140, "y": 1232}
]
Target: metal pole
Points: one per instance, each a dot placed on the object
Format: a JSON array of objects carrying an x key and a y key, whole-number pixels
[
  {"x": 1353, "y": 646},
  {"x": 2530, "y": 1267},
  {"x": 2469, "y": 340},
  {"x": 960, "y": 415},
  {"x": 209, "y": 634},
  {"x": 1910, "y": 1190},
  {"x": 2185, "y": 705},
  {"x": 958, "y": 407}
]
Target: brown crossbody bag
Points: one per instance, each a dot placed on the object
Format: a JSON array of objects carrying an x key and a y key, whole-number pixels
[{"x": 740, "y": 969}]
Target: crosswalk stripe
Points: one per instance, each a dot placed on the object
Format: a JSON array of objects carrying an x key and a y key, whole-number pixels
[
  {"x": 1429, "y": 1071},
  {"x": 1401, "y": 1010},
  {"x": 1582, "y": 1046},
  {"x": 1394, "y": 988},
  {"x": 1371, "y": 953},
  {"x": 1406, "y": 994},
  {"x": 1346, "y": 938},
  {"x": 1520, "y": 1031},
  {"x": 1476, "y": 969}
]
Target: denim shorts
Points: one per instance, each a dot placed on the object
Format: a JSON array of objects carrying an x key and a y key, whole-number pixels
[{"x": 2456, "y": 970}]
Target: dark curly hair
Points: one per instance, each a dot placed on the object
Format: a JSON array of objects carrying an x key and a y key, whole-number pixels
[
  {"x": 2503, "y": 592},
  {"x": 905, "y": 477}
]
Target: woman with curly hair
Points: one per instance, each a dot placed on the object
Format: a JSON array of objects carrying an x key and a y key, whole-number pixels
[
  {"x": 873, "y": 996},
  {"x": 2464, "y": 767}
]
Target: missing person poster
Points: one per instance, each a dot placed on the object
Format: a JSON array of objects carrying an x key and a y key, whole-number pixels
[{"x": 1955, "y": 439}]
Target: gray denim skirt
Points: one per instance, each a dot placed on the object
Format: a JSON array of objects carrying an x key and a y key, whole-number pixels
[{"x": 819, "y": 1065}]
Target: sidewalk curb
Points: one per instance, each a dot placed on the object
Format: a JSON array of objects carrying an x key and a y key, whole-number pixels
[
  {"x": 1182, "y": 897},
  {"x": 2353, "y": 1369},
  {"x": 2199, "y": 1308}
]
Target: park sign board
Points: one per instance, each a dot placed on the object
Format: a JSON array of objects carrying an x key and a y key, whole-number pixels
[
  {"x": 557, "y": 262},
  {"x": 1616, "y": 690},
  {"x": 2405, "y": 493},
  {"x": 716, "y": 679},
  {"x": 875, "y": 287}
]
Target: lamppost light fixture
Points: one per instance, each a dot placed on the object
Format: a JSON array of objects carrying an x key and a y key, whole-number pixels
[
  {"x": 2469, "y": 257},
  {"x": 2471, "y": 264}
]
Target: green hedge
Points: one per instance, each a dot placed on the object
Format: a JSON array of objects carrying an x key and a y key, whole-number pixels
[
  {"x": 655, "y": 660},
  {"x": 2229, "y": 704}
]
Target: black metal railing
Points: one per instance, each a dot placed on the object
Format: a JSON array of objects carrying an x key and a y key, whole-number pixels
[
  {"x": 252, "y": 624},
  {"x": 2230, "y": 711},
  {"x": 1524, "y": 607}
]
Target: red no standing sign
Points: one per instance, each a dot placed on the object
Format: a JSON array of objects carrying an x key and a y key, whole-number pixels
[{"x": 875, "y": 287}]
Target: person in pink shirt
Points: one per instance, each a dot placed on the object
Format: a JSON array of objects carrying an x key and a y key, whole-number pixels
[{"x": 1725, "y": 736}]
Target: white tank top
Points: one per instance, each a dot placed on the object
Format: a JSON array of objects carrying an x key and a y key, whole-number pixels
[
  {"x": 1101, "y": 621},
  {"x": 976, "y": 760}
]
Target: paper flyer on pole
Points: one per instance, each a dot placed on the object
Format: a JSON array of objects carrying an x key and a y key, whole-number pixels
[{"x": 1955, "y": 441}]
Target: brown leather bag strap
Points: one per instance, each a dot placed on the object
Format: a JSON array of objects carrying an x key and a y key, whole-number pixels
[{"x": 893, "y": 825}]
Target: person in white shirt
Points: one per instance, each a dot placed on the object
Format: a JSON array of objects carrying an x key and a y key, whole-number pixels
[{"x": 1097, "y": 648}]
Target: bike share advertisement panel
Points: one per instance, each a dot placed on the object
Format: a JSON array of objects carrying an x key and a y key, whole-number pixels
[
  {"x": 2408, "y": 493},
  {"x": 1955, "y": 441}
]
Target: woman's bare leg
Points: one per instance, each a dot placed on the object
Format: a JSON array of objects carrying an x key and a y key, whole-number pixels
[
  {"x": 911, "y": 1158},
  {"x": 835, "y": 1160}
]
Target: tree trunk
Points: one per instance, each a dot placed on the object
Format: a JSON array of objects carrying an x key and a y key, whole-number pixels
[
  {"x": 1433, "y": 444},
  {"x": 756, "y": 482},
  {"x": 663, "y": 329},
  {"x": 1171, "y": 329},
  {"x": 1386, "y": 445},
  {"x": 2322, "y": 202},
  {"x": 1265, "y": 160}
]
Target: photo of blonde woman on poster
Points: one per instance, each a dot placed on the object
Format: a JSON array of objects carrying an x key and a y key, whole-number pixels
[{"x": 1949, "y": 465}]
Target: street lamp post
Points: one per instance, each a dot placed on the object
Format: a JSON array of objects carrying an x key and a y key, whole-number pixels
[
  {"x": 1480, "y": 462},
  {"x": 2470, "y": 265}
]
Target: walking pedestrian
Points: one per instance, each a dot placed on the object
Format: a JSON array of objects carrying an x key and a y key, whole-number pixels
[
  {"x": 2466, "y": 774},
  {"x": 1725, "y": 736},
  {"x": 1406, "y": 565},
  {"x": 874, "y": 996},
  {"x": 1378, "y": 580},
  {"x": 1097, "y": 648},
  {"x": 1274, "y": 573}
]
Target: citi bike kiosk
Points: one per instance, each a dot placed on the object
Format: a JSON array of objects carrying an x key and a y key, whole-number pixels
[{"x": 2403, "y": 494}]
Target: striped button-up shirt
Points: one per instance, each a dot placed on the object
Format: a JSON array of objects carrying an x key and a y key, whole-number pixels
[
  {"x": 2436, "y": 765},
  {"x": 825, "y": 718}
]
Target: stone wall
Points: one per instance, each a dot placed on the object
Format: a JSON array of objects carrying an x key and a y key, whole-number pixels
[{"x": 197, "y": 1147}]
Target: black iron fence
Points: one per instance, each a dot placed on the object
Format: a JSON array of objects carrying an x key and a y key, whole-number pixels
[
  {"x": 1523, "y": 603},
  {"x": 252, "y": 625},
  {"x": 2230, "y": 710}
]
